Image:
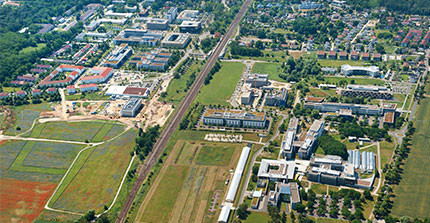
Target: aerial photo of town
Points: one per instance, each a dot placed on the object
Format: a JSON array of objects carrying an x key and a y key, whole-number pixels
[{"x": 215, "y": 111}]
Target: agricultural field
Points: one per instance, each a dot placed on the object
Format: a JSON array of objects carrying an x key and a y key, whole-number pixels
[
  {"x": 413, "y": 193},
  {"x": 227, "y": 77},
  {"x": 176, "y": 89},
  {"x": 93, "y": 184},
  {"x": 93, "y": 131},
  {"x": 191, "y": 185},
  {"x": 25, "y": 116},
  {"x": 363, "y": 81},
  {"x": 272, "y": 69}
]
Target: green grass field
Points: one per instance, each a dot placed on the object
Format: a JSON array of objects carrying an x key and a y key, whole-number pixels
[
  {"x": 175, "y": 90},
  {"x": 316, "y": 92},
  {"x": 218, "y": 156},
  {"x": 413, "y": 193},
  {"x": 31, "y": 48},
  {"x": 96, "y": 182},
  {"x": 338, "y": 63},
  {"x": 92, "y": 96},
  {"x": 25, "y": 116},
  {"x": 363, "y": 81},
  {"x": 272, "y": 69},
  {"x": 164, "y": 199},
  {"x": 257, "y": 217},
  {"x": 222, "y": 86},
  {"x": 94, "y": 131}
]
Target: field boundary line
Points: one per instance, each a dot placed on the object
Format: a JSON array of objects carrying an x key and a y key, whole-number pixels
[{"x": 70, "y": 167}]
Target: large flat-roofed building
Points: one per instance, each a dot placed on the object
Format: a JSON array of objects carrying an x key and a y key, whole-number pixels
[
  {"x": 118, "y": 56},
  {"x": 331, "y": 170},
  {"x": 277, "y": 170},
  {"x": 131, "y": 108},
  {"x": 287, "y": 148},
  {"x": 315, "y": 131},
  {"x": 138, "y": 37},
  {"x": 190, "y": 27},
  {"x": 277, "y": 97},
  {"x": 349, "y": 70},
  {"x": 187, "y": 15},
  {"x": 176, "y": 40},
  {"x": 128, "y": 91},
  {"x": 336, "y": 107},
  {"x": 234, "y": 118},
  {"x": 257, "y": 80},
  {"x": 118, "y": 14},
  {"x": 151, "y": 60},
  {"x": 367, "y": 91},
  {"x": 157, "y": 24}
]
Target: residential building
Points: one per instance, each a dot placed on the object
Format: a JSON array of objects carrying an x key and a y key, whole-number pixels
[
  {"x": 71, "y": 89},
  {"x": 4, "y": 95},
  {"x": 88, "y": 87},
  {"x": 321, "y": 54},
  {"x": 53, "y": 80},
  {"x": 36, "y": 92},
  {"x": 97, "y": 75}
]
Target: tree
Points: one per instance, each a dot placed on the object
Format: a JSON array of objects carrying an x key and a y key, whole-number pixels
[
  {"x": 300, "y": 208},
  {"x": 367, "y": 194},
  {"x": 242, "y": 211},
  {"x": 284, "y": 217}
]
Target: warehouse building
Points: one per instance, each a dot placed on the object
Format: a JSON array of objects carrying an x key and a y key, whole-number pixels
[
  {"x": 131, "y": 108},
  {"x": 367, "y": 91},
  {"x": 234, "y": 118}
]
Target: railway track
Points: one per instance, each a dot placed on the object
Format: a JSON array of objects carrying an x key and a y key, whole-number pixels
[{"x": 180, "y": 113}]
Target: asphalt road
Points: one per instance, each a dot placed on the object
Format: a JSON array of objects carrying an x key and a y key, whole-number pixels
[{"x": 180, "y": 112}]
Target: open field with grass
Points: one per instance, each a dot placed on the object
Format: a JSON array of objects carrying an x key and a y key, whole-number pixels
[
  {"x": 316, "y": 92},
  {"x": 191, "y": 184},
  {"x": 25, "y": 116},
  {"x": 272, "y": 69},
  {"x": 257, "y": 217},
  {"x": 413, "y": 193},
  {"x": 338, "y": 63},
  {"x": 176, "y": 89},
  {"x": 227, "y": 77},
  {"x": 97, "y": 181},
  {"x": 92, "y": 96},
  {"x": 363, "y": 81},
  {"x": 33, "y": 48},
  {"x": 94, "y": 131}
]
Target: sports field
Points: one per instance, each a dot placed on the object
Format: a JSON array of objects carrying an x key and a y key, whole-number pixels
[
  {"x": 190, "y": 186},
  {"x": 272, "y": 69},
  {"x": 222, "y": 86},
  {"x": 93, "y": 131},
  {"x": 413, "y": 194},
  {"x": 96, "y": 181}
]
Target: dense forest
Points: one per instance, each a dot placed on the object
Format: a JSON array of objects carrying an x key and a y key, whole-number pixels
[
  {"x": 420, "y": 7},
  {"x": 13, "y": 59}
]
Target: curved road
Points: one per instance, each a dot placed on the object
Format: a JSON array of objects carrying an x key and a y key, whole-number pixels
[{"x": 161, "y": 143}]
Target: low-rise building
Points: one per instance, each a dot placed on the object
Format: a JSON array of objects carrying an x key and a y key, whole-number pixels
[
  {"x": 190, "y": 27},
  {"x": 247, "y": 97},
  {"x": 234, "y": 118},
  {"x": 157, "y": 24},
  {"x": 138, "y": 37},
  {"x": 36, "y": 92},
  {"x": 367, "y": 91},
  {"x": 71, "y": 89},
  {"x": 315, "y": 131},
  {"x": 4, "y": 95},
  {"x": 331, "y": 170},
  {"x": 187, "y": 15},
  {"x": 277, "y": 170},
  {"x": 336, "y": 107},
  {"x": 131, "y": 108},
  {"x": 118, "y": 56},
  {"x": 88, "y": 87},
  {"x": 277, "y": 97},
  {"x": 349, "y": 70},
  {"x": 257, "y": 80},
  {"x": 72, "y": 72},
  {"x": 97, "y": 75},
  {"x": 176, "y": 40}
]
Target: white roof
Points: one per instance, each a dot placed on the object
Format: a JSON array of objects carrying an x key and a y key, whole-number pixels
[
  {"x": 257, "y": 193},
  {"x": 231, "y": 194},
  {"x": 115, "y": 90},
  {"x": 225, "y": 212},
  {"x": 286, "y": 169}
]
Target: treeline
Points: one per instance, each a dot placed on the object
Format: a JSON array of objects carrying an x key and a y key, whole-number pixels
[
  {"x": 331, "y": 146},
  {"x": 14, "y": 100},
  {"x": 145, "y": 141},
  {"x": 353, "y": 129},
  {"x": 244, "y": 50},
  {"x": 208, "y": 44},
  {"x": 419, "y": 7},
  {"x": 214, "y": 69},
  {"x": 297, "y": 69},
  {"x": 191, "y": 119}
]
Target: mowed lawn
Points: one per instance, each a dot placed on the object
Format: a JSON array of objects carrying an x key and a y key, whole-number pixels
[
  {"x": 97, "y": 181},
  {"x": 363, "y": 81},
  {"x": 222, "y": 86},
  {"x": 161, "y": 204},
  {"x": 413, "y": 193},
  {"x": 257, "y": 217},
  {"x": 25, "y": 116},
  {"x": 338, "y": 63},
  {"x": 272, "y": 69},
  {"x": 94, "y": 131}
]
